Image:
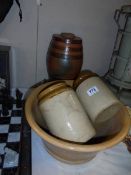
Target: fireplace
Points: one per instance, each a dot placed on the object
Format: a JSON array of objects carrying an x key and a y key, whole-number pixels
[{"x": 4, "y": 70}]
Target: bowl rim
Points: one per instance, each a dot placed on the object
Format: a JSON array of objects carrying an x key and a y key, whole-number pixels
[{"x": 67, "y": 145}]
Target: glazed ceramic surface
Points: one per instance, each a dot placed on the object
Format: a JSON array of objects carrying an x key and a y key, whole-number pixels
[
  {"x": 99, "y": 102},
  {"x": 65, "y": 56},
  {"x": 65, "y": 117},
  {"x": 71, "y": 152}
]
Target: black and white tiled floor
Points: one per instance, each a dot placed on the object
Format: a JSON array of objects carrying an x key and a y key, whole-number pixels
[{"x": 10, "y": 137}]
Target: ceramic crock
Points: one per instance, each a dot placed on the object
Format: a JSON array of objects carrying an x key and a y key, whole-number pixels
[
  {"x": 98, "y": 100},
  {"x": 64, "y": 56},
  {"x": 63, "y": 113}
]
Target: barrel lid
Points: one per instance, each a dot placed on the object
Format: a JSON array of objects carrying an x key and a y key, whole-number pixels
[
  {"x": 67, "y": 38},
  {"x": 84, "y": 75}
]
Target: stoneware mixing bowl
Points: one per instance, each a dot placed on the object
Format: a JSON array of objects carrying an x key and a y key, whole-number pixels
[{"x": 70, "y": 152}]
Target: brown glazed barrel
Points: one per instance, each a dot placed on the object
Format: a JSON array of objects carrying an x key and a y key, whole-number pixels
[{"x": 65, "y": 56}]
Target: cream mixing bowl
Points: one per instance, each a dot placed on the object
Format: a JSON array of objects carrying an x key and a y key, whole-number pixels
[{"x": 71, "y": 152}]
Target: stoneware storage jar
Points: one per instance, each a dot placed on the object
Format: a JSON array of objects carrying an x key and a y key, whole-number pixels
[
  {"x": 63, "y": 113},
  {"x": 64, "y": 56},
  {"x": 99, "y": 102}
]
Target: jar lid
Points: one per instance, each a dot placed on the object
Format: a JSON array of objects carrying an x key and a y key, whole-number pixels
[
  {"x": 53, "y": 89},
  {"x": 84, "y": 75},
  {"x": 67, "y": 38}
]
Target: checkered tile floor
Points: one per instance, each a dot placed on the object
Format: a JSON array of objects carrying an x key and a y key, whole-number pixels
[{"x": 10, "y": 135}]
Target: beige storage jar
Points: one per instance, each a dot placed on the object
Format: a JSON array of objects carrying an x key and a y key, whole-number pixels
[
  {"x": 63, "y": 113},
  {"x": 98, "y": 100}
]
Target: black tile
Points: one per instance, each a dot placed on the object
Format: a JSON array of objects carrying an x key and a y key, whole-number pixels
[
  {"x": 17, "y": 113},
  {"x": 4, "y": 120},
  {"x": 10, "y": 171},
  {"x": 14, "y": 146},
  {"x": 5, "y": 111},
  {"x": 3, "y": 137},
  {"x": 15, "y": 128},
  {"x": 1, "y": 163}
]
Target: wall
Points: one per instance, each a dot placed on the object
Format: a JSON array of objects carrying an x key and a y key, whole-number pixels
[
  {"x": 92, "y": 20},
  {"x": 22, "y": 36}
]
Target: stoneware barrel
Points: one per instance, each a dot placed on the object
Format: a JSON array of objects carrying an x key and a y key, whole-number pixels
[{"x": 65, "y": 56}]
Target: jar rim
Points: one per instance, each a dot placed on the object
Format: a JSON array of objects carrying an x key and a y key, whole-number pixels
[
  {"x": 52, "y": 90},
  {"x": 84, "y": 75}
]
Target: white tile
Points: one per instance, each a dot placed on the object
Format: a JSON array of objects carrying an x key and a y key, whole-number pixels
[
  {"x": 2, "y": 145},
  {"x": 15, "y": 120},
  {"x": 10, "y": 111},
  {"x": 11, "y": 158},
  {"x": 14, "y": 137},
  {"x": 15, "y": 108},
  {"x": 4, "y": 128}
]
